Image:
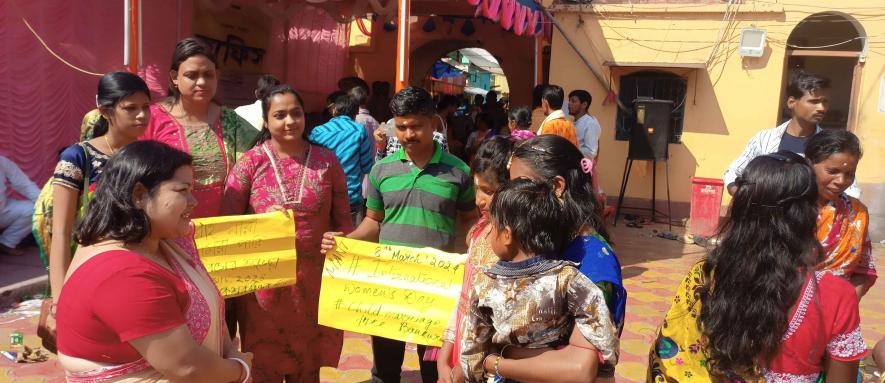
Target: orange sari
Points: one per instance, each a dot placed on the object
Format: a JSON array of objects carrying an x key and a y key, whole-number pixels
[{"x": 843, "y": 231}]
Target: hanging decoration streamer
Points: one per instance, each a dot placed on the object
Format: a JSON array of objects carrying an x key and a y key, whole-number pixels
[{"x": 523, "y": 17}]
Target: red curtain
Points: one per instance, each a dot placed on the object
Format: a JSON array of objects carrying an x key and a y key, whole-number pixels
[
  {"x": 314, "y": 57},
  {"x": 43, "y": 99}
]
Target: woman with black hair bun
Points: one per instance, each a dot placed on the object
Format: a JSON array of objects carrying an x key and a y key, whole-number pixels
[
  {"x": 843, "y": 221},
  {"x": 556, "y": 161},
  {"x": 519, "y": 123},
  {"x": 755, "y": 308}
]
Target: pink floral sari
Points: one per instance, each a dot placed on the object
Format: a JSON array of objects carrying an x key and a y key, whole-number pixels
[{"x": 280, "y": 325}]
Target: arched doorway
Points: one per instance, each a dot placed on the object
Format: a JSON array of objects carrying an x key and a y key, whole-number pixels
[
  {"x": 513, "y": 54},
  {"x": 458, "y": 78},
  {"x": 833, "y": 45}
]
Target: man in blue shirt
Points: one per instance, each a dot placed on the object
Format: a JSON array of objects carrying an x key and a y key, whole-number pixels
[{"x": 351, "y": 144}]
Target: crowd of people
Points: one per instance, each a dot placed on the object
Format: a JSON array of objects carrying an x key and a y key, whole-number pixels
[{"x": 543, "y": 298}]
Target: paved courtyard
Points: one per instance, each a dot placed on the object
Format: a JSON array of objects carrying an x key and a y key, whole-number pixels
[{"x": 652, "y": 267}]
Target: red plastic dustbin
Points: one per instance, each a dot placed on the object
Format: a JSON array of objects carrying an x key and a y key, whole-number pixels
[{"x": 706, "y": 197}]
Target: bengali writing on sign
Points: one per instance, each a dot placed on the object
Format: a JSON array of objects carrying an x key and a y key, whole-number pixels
[
  {"x": 246, "y": 253},
  {"x": 395, "y": 292}
]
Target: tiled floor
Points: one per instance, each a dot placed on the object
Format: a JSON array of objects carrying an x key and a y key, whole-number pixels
[{"x": 652, "y": 268}]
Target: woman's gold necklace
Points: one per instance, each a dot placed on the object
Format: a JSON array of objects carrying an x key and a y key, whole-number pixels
[{"x": 109, "y": 144}]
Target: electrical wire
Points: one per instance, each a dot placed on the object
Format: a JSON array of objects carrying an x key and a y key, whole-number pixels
[
  {"x": 681, "y": 6},
  {"x": 786, "y": 3},
  {"x": 722, "y": 30},
  {"x": 782, "y": 44},
  {"x": 48, "y": 49},
  {"x": 826, "y": 46},
  {"x": 662, "y": 8},
  {"x": 637, "y": 41},
  {"x": 731, "y": 15},
  {"x": 786, "y": 24},
  {"x": 708, "y": 42},
  {"x": 727, "y": 37},
  {"x": 787, "y": 43}
]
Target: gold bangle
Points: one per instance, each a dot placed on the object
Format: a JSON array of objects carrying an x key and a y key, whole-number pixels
[{"x": 497, "y": 360}]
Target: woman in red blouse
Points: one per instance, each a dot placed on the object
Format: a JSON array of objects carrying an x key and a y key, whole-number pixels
[
  {"x": 755, "y": 308},
  {"x": 137, "y": 304}
]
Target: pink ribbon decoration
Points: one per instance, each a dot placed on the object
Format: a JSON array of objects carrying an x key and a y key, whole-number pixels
[
  {"x": 519, "y": 20},
  {"x": 533, "y": 23},
  {"x": 508, "y": 8},
  {"x": 586, "y": 165},
  {"x": 491, "y": 8}
]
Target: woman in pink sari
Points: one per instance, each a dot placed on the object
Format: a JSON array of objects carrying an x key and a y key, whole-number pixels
[
  {"x": 137, "y": 304},
  {"x": 285, "y": 172}
]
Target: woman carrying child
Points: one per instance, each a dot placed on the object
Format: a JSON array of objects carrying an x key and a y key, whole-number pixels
[
  {"x": 554, "y": 160},
  {"x": 531, "y": 298}
]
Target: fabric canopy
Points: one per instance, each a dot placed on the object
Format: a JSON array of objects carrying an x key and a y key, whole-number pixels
[
  {"x": 482, "y": 59},
  {"x": 443, "y": 70}
]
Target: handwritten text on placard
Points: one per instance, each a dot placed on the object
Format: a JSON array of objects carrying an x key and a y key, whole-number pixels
[
  {"x": 248, "y": 252},
  {"x": 390, "y": 291}
]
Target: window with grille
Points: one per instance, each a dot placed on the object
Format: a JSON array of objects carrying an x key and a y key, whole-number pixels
[{"x": 653, "y": 84}]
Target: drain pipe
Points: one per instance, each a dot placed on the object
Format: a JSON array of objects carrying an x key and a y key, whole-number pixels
[{"x": 590, "y": 66}]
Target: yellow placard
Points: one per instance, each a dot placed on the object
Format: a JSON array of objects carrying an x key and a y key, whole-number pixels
[
  {"x": 245, "y": 253},
  {"x": 390, "y": 291}
]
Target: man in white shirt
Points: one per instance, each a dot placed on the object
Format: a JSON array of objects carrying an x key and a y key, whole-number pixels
[
  {"x": 253, "y": 113},
  {"x": 586, "y": 126},
  {"x": 15, "y": 215},
  {"x": 808, "y": 98}
]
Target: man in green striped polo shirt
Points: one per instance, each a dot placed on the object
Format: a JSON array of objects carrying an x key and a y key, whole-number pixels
[{"x": 415, "y": 198}]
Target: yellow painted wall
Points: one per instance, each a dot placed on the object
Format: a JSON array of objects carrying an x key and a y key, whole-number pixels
[{"x": 729, "y": 101}]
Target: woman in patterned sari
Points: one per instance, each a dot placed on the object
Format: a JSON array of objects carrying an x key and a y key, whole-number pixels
[
  {"x": 286, "y": 172},
  {"x": 843, "y": 221},
  {"x": 189, "y": 120},
  {"x": 124, "y": 110},
  {"x": 755, "y": 308},
  {"x": 575, "y": 362}
]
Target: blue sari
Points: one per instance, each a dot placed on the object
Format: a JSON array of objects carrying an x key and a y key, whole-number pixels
[{"x": 597, "y": 261}]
